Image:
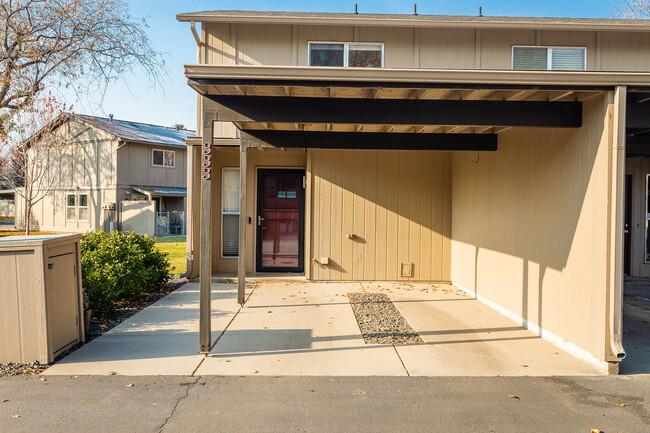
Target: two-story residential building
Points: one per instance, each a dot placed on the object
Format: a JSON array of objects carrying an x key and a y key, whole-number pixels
[
  {"x": 116, "y": 175},
  {"x": 489, "y": 152}
]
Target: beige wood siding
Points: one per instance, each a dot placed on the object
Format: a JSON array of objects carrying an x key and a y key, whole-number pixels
[
  {"x": 530, "y": 226},
  {"x": 135, "y": 166},
  {"x": 442, "y": 48},
  {"x": 396, "y": 203}
]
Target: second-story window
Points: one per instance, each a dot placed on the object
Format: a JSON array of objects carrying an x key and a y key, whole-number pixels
[
  {"x": 163, "y": 158},
  {"x": 549, "y": 58},
  {"x": 346, "y": 54}
]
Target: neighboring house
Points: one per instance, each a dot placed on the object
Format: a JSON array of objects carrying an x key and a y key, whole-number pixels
[
  {"x": 489, "y": 152},
  {"x": 116, "y": 174}
]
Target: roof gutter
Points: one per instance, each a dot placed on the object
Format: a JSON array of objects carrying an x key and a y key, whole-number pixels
[{"x": 197, "y": 38}]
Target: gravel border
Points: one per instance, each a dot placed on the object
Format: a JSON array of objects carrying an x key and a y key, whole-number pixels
[
  {"x": 380, "y": 321},
  {"x": 98, "y": 327}
]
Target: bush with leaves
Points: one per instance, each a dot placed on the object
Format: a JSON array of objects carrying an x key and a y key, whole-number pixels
[{"x": 120, "y": 266}]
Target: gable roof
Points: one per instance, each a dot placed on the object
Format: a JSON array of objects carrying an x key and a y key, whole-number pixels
[
  {"x": 408, "y": 20},
  {"x": 138, "y": 132}
]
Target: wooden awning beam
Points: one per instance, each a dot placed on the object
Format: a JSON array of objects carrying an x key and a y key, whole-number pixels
[
  {"x": 368, "y": 140},
  {"x": 270, "y": 109}
]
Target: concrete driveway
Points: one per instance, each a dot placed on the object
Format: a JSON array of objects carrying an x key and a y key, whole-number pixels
[
  {"x": 299, "y": 328},
  {"x": 310, "y": 329}
]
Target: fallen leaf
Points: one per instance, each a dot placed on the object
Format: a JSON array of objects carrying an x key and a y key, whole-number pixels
[
  {"x": 73, "y": 377},
  {"x": 15, "y": 416},
  {"x": 112, "y": 373},
  {"x": 310, "y": 390},
  {"x": 595, "y": 430},
  {"x": 513, "y": 396},
  {"x": 130, "y": 385},
  {"x": 620, "y": 404},
  {"x": 4, "y": 400},
  {"x": 227, "y": 360},
  {"x": 523, "y": 365}
]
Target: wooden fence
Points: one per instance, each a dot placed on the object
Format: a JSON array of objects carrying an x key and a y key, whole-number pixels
[
  {"x": 7, "y": 211},
  {"x": 138, "y": 216}
]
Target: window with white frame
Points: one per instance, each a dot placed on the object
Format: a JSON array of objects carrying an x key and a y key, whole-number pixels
[
  {"x": 230, "y": 212},
  {"x": 71, "y": 207},
  {"x": 536, "y": 58},
  {"x": 163, "y": 158},
  {"x": 346, "y": 54},
  {"x": 83, "y": 207}
]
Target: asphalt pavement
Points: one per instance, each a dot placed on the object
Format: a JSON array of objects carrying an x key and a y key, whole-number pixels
[{"x": 324, "y": 404}]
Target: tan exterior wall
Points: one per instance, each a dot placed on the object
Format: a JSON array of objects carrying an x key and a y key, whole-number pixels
[
  {"x": 284, "y": 44},
  {"x": 87, "y": 165},
  {"x": 639, "y": 168},
  {"x": 396, "y": 203},
  {"x": 530, "y": 227},
  {"x": 50, "y": 212},
  {"x": 135, "y": 167}
]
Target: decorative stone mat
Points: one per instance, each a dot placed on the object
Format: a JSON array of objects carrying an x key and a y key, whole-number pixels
[{"x": 380, "y": 321}]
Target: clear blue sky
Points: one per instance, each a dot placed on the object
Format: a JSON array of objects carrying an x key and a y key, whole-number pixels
[{"x": 174, "y": 102}]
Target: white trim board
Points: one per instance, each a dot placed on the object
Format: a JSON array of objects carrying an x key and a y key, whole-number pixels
[{"x": 567, "y": 346}]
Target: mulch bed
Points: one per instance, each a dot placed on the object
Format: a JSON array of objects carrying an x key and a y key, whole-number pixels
[
  {"x": 380, "y": 321},
  {"x": 98, "y": 327}
]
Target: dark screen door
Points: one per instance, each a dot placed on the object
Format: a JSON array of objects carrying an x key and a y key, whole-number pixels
[
  {"x": 628, "y": 224},
  {"x": 280, "y": 219}
]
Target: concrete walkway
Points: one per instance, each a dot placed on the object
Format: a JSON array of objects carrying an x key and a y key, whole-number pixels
[
  {"x": 299, "y": 328},
  {"x": 160, "y": 340}
]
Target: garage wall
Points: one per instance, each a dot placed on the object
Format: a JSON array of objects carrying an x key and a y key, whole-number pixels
[
  {"x": 530, "y": 227},
  {"x": 396, "y": 203}
]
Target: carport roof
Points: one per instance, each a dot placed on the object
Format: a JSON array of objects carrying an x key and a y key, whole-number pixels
[{"x": 161, "y": 191}]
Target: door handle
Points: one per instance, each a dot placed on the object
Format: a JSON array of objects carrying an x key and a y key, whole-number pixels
[
  {"x": 50, "y": 265},
  {"x": 260, "y": 219}
]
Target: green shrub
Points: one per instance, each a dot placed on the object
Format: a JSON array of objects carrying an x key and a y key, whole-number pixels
[{"x": 118, "y": 266}]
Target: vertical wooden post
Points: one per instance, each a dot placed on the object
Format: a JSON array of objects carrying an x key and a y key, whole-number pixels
[
  {"x": 205, "y": 268},
  {"x": 241, "y": 269},
  {"x": 615, "y": 351}
]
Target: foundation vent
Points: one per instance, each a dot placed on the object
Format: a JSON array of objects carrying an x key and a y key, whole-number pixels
[{"x": 406, "y": 269}]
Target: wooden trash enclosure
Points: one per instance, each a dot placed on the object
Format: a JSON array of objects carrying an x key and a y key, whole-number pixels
[{"x": 41, "y": 305}]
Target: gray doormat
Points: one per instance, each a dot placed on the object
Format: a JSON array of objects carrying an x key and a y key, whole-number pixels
[{"x": 380, "y": 321}]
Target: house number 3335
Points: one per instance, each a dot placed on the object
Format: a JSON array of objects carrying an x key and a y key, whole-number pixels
[{"x": 206, "y": 162}]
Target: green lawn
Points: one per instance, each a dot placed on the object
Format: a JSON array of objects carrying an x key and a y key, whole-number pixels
[{"x": 175, "y": 247}]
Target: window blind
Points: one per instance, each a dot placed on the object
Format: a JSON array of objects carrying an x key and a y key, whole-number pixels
[
  {"x": 230, "y": 212},
  {"x": 530, "y": 58},
  {"x": 567, "y": 59}
]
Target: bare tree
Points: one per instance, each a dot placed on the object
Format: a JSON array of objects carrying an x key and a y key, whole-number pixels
[
  {"x": 31, "y": 152},
  {"x": 78, "y": 42},
  {"x": 633, "y": 9}
]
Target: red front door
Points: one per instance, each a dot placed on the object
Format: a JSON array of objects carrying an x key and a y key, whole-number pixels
[{"x": 280, "y": 217}]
